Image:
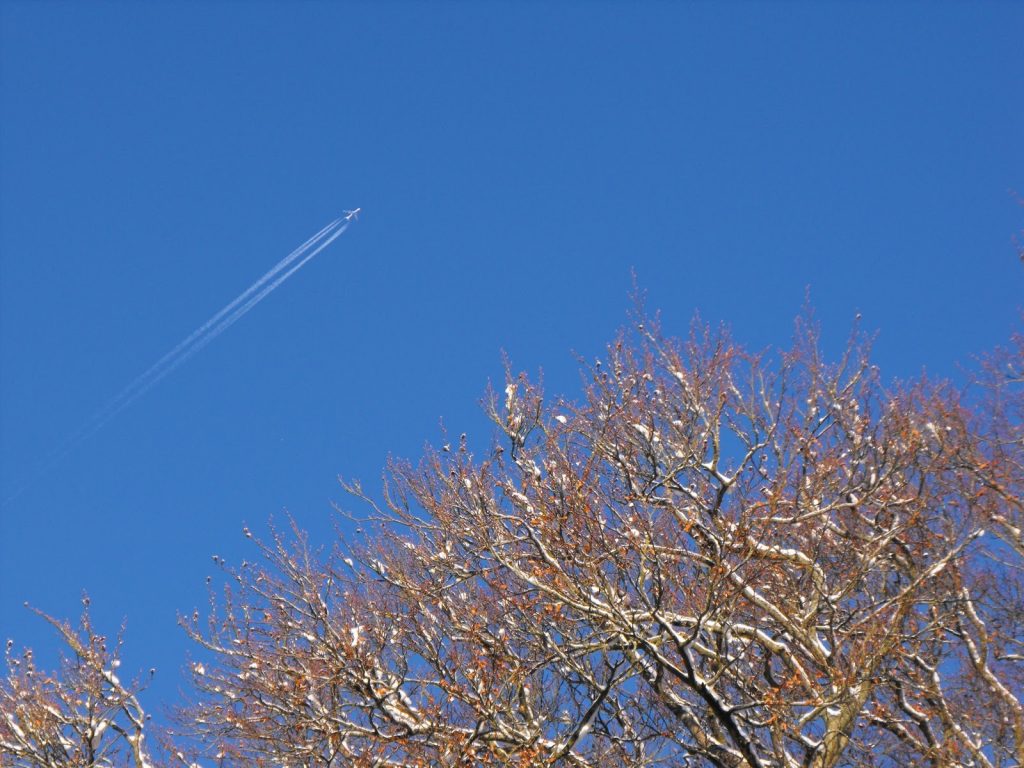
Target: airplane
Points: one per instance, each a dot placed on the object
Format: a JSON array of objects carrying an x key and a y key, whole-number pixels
[{"x": 349, "y": 215}]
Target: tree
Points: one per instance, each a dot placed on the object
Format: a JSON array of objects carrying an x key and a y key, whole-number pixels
[
  {"x": 82, "y": 716},
  {"x": 715, "y": 558},
  {"x": 712, "y": 560}
]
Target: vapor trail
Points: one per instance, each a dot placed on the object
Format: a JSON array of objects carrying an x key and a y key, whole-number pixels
[
  {"x": 239, "y": 313},
  {"x": 217, "y": 330},
  {"x": 195, "y": 341},
  {"x": 142, "y": 381}
]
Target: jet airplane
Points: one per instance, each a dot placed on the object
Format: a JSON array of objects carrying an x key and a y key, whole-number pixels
[{"x": 349, "y": 215}]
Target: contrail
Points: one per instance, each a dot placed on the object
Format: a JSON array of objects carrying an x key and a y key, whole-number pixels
[
  {"x": 239, "y": 313},
  {"x": 142, "y": 381},
  {"x": 218, "y": 329},
  {"x": 191, "y": 344}
]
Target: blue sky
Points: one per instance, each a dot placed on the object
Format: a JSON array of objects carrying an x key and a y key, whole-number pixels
[{"x": 516, "y": 164}]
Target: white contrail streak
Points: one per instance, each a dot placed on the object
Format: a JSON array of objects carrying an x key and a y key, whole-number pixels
[
  {"x": 239, "y": 313},
  {"x": 217, "y": 330},
  {"x": 195, "y": 341},
  {"x": 152, "y": 374}
]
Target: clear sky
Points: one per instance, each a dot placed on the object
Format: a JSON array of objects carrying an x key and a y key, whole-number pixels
[{"x": 516, "y": 163}]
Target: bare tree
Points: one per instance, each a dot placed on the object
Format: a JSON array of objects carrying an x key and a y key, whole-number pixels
[
  {"x": 81, "y": 717},
  {"x": 713, "y": 559}
]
